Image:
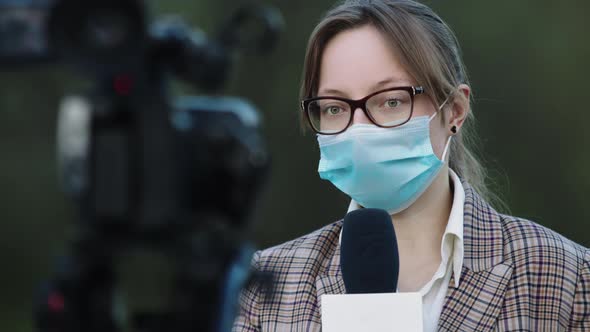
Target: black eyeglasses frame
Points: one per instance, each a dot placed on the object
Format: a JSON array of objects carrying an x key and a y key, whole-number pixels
[{"x": 362, "y": 104}]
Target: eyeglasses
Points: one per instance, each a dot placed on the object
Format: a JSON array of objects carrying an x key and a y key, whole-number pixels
[{"x": 385, "y": 108}]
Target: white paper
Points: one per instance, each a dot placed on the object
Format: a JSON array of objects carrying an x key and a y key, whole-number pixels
[{"x": 385, "y": 312}]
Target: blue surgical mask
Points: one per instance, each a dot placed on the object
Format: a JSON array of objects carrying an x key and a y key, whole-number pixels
[{"x": 384, "y": 168}]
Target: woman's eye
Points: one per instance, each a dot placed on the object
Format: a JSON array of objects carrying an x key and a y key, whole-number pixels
[
  {"x": 333, "y": 110},
  {"x": 393, "y": 103}
]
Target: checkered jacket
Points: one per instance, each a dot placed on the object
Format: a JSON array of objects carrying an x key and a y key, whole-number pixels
[{"x": 517, "y": 276}]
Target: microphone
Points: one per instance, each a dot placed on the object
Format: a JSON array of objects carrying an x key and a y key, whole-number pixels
[
  {"x": 369, "y": 257},
  {"x": 369, "y": 261}
]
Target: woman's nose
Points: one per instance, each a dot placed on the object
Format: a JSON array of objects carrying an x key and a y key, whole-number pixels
[{"x": 360, "y": 117}]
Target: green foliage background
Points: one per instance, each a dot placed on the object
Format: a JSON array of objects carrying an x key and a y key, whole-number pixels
[{"x": 528, "y": 61}]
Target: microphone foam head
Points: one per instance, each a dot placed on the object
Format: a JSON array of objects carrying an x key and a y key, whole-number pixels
[{"x": 369, "y": 257}]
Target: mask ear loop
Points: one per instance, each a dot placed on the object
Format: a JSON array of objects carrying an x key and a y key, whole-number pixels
[
  {"x": 449, "y": 139},
  {"x": 446, "y": 148},
  {"x": 439, "y": 108},
  {"x": 432, "y": 116}
]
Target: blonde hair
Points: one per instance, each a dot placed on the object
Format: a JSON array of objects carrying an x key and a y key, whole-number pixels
[{"x": 429, "y": 52}]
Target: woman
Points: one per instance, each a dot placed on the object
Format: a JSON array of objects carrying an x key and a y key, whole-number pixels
[{"x": 386, "y": 91}]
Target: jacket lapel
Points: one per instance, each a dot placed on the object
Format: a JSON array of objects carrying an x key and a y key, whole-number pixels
[
  {"x": 330, "y": 281},
  {"x": 475, "y": 305}
]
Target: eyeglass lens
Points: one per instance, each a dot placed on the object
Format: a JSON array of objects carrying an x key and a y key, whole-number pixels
[{"x": 387, "y": 109}]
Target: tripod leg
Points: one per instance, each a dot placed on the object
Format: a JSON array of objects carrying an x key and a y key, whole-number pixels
[{"x": 79, "y": 298}]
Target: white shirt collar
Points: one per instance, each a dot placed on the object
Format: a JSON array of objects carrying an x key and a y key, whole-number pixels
[{"x": 454, "y": 228}]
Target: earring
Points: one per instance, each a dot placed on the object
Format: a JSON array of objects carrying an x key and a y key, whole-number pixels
[{"x": 454, "y": 129}]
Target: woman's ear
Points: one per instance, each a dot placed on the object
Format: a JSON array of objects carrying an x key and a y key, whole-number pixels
[{"x": 459, "y": 107}]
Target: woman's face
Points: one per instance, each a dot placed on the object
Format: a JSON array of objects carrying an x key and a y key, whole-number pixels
[{"x": 358, "y": 62}]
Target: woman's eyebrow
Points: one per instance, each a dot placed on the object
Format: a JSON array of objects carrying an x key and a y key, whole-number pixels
[
  {"x": 377, "y": 86},
  {"x": 332, "y": 92},
  {"x": 388, "y": 81}
]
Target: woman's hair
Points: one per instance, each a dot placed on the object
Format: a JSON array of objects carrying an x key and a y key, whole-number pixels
[{"x": 429, "y": 52}]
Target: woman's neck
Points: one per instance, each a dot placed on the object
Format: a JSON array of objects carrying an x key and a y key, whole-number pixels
[{"x": 419, "y": 229}]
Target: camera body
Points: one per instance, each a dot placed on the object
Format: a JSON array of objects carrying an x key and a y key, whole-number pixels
[
  {"x": 130, "y": 116},
  {"x": 148, "y": 171}
]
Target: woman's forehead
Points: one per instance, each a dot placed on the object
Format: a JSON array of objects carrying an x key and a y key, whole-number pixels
[{"x": 360, "y": 59}]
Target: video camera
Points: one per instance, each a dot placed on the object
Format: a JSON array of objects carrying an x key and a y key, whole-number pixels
[{"x": 178, "y": 176}]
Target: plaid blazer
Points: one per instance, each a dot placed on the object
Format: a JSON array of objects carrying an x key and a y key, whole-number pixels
[{"x": 517, "y": 276}]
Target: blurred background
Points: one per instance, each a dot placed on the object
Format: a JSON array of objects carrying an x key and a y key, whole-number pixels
[{"x": 528, "y": 64}]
